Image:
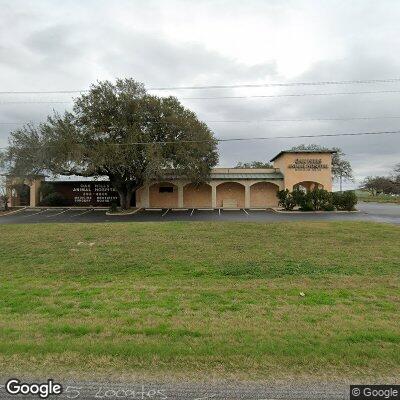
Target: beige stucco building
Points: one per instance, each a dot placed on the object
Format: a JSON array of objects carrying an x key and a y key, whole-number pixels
[{"x": 227, "y": 188}]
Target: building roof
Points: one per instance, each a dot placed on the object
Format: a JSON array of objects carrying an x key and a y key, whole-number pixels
[
  {"x": 255, "y": 175},
  {"x": 302, "y": 151}
]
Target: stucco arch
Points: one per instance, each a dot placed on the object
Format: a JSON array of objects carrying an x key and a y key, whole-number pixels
[
  {"x": 263, "y": 195},
  {"x": 20, "y": 194},
  {"x": 308, "y": 185},
  {"x": 197, "y": 196},
  {"x": 158, "y": 198},
  {"x": 230, "y": 194}
]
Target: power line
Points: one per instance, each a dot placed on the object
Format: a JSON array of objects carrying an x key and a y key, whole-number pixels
[
  {"x": 262, "y": 120},
  {"x": 251, "y": 85},
  {"x": 36, "y": 102},
  {"x": 303, "y": 119},
  {"x": 320, "y": 83},
  {"x": 225, "y": 97},
  {"x": 260, "y": 138},
  {"x": 288, "y": 95},
  {"x": 251, "y": 138}
]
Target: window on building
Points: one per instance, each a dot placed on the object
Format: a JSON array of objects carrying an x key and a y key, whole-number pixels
[{"x": 166, "y": 189}]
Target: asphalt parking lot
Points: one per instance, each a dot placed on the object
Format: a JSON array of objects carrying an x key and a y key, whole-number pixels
[{"x": 375, "y": 212}]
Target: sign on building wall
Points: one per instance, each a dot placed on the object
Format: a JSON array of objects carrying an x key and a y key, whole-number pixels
[
  {"x": 308, "y": 164},
  {"x": 96, "y": 194}
]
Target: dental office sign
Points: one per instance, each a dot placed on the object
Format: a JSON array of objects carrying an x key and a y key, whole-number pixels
[{"x": 308, "y": 164}]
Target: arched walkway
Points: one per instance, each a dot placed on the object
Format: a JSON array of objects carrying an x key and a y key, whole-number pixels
[
  {"x": 263, "y": 195},
  {"x": 308, "y": 185},
  {"x": 197, "y": 196},
  {"x": 230, "y": 195},
  {"x": 163, "y": 195},
  {"x": 20, "y": 195}
]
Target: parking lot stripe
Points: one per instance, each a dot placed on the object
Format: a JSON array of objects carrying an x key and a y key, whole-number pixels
[
  {"x": 219, "y": 211},
  {"x": 192, "y": 212},
  {"x": 165, "y": 212},
  {"x": 31, "y": 215},
  {"x": 13, "y": 212},
  {"x": 245, "y": 211},
  {"x": 85, "y": 212},
  {"x": 53, "y": 215}
]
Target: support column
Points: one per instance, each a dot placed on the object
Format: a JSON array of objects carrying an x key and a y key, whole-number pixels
[
  {"x": 247, "y": 196},
  {"x": 213, "y": 196},
  {"x": 145, "y": 196},
  {"x": 34, "y": 194},
  {"x": 180, "y": 196}
]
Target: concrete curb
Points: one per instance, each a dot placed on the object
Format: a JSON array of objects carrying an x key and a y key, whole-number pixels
[{"x": 64, "y": 207}]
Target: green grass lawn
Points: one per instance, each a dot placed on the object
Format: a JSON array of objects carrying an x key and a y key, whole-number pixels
[
  {"x": 381, "y": 198},
  {"x": 215, "y": 299}
]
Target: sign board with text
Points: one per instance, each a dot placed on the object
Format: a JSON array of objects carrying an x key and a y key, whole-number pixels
[
  {"x": 96, "y": 194},
  {"x": 308, "y": 164}
]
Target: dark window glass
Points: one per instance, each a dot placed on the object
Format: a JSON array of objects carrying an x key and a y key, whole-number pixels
[{"x": 166, "y": 189}]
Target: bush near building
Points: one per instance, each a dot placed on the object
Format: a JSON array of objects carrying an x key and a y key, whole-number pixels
[
  {"x": 49, "y": 197},
  {"x": 317, "y": 200}
]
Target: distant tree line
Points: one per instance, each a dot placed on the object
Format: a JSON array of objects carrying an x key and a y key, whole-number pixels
[
  {"x": 376, "y": 185},
  {"x": 254, "y": 164}
]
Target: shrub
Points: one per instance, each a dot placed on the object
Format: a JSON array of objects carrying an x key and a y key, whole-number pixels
[
  {"x": 329, "y": 207},
  {"x": 307, "y": 205},
  {"x": 315, "y": 200},
  {"x": 46, "y": 188},
  {"x": 113, "y": 207},
  {"x": 345, "y": 201},
  {"x": 53, "y": 199},
  {"x": 4, "y": 202},
  {"x": 320, "y": 199},
  {"x": 286, "y": 199},
  {"x": 299, "y": 196}
]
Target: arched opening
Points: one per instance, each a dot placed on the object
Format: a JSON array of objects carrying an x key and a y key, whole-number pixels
[
  {"x": 163, "y": 195},
  {"x": 197, "y": 196},
  {"x": 307, "y": 186},
  {"x": 20, "y": 195},
  {"x": 230, "y": 195},
  {"x": 263, "y": 195}
]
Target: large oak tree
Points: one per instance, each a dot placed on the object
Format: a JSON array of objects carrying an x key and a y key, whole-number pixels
[{"x": 119, "y": 131}]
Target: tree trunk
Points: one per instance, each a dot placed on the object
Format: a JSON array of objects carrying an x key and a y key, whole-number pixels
[
  {"x": 128, "y": 199},
  {"x": 125, "y": 198},
  {"x": 125, "y": 191},
  {"x": 122, "y": 199}
]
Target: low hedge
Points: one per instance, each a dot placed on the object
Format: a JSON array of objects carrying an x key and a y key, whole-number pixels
[
  {"x": 317, "y": 200},
  {"x": 53, "y": 199}
]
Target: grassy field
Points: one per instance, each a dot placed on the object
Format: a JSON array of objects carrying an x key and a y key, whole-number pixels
[
  {"x": 382, "y": 198},
  {"x": 201, "y": 299}
]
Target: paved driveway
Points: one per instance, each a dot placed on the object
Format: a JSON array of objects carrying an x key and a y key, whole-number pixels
[{"x": 368, "y": 212}]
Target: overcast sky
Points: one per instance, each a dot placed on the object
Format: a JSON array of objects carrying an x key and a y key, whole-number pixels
[{"x": 66, "y": 45}]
